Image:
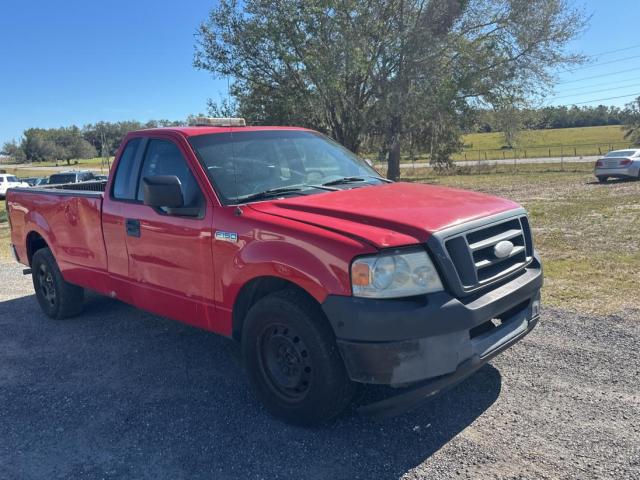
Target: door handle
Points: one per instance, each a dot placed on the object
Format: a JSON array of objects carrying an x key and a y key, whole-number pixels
[{"x": 133, "y": 227}]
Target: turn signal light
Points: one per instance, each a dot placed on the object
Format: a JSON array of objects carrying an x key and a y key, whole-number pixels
[{"x": 361, "y": 274}]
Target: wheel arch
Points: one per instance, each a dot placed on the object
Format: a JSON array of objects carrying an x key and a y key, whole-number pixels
[
  {"x": 34, "y": 242},
  {"x": 254, "y": 290}
]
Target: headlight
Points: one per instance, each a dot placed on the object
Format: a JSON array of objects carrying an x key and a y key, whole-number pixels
[{"x": 394, "y": 274}]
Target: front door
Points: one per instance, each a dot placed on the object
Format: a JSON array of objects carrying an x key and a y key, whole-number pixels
[{"x": 169, "y": 250}]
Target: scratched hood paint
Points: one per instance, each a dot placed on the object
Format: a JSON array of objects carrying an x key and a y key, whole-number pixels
[{"x": 388, "y": 215}]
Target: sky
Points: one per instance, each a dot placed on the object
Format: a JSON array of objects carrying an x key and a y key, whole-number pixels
[{"x": 79, "y": 61}]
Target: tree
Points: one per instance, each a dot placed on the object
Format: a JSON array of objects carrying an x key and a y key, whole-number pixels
[
  {"x": 508, "y": 120},
  {"x": 69, "y": 144},
  {"x": 37, "y": 145},
  {"x": 384, "y": 68},
  {"x": 13, "y": 151},
  {"x": 632, "y": 125},
  {"x": 106, "y": 136}
]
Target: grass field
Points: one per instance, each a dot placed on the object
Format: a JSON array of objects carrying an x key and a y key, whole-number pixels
[
  {"x": 561, "y": 142},
  {"x": 546, "y": 138},
  {"x": 544, "y": 143}
]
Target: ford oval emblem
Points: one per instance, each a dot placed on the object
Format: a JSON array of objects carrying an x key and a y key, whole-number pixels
[{"x": 503, "y": 249}]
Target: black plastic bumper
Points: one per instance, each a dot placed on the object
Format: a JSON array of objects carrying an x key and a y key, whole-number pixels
[
  {"x": 421, "y": 392},
  {"x": 404, "y": 342}
]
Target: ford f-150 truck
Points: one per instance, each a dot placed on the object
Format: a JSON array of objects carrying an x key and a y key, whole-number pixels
[{"x": 327, "y": 274}]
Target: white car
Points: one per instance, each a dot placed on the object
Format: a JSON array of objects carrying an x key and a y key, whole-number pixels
[
  {"x": 9, "y": 181},
  {"x": 618, "y": 164}
]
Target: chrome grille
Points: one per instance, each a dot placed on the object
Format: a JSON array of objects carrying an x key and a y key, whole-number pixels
[{"x": 473, "y": 252}]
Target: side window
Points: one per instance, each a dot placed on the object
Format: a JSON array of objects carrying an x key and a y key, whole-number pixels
[
  {"x": 164, "y": 158},
  {"x": 125, "y": 182}
]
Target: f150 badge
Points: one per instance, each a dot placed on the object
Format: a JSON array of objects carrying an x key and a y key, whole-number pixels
[{"x": 227, "y": 236}]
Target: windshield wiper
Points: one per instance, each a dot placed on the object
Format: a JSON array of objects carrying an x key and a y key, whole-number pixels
[
  {"x": 272, "y": 192},
  {"x": 339, "y": 181}
]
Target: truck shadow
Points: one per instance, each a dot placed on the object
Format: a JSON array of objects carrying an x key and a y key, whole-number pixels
[{"x": 120, "y": 393}]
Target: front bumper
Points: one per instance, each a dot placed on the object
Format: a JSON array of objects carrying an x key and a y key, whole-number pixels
[{"x": 404, "y": 342}]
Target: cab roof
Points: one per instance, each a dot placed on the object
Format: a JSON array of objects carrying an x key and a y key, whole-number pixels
[{"x": 189, "y": 131}]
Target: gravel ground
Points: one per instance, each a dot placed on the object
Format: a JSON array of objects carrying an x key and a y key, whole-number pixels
[{"x": 118, "y": 393}]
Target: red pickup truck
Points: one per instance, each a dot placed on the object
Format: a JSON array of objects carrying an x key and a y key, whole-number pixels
[{"x": 327, "y": 274}]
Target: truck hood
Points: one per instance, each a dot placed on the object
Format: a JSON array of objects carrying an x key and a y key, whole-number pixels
[{"x": 388, "y": 215}]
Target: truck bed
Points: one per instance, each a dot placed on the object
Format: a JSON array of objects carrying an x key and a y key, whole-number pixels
[{"x": 66, "y": 217}]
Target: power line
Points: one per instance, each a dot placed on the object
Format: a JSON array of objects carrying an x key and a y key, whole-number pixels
[
  {"x": 603, "y": 63},
  {"x": 599, "y": 76},
  {"x": 608, "y": 98},
  {"x": 596, "y": 91},
  {"x": 595, "y": 85},
  {"x": 601, "y": 54}
]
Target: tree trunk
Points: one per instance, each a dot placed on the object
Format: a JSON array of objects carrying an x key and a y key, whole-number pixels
[{"x": 393, "y": 160}]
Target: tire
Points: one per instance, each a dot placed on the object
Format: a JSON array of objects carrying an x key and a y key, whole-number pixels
[
  {"x": 603, "y": 179},
  {"x": 57, "y": 298},
  {"x": 293, "y": 361}
]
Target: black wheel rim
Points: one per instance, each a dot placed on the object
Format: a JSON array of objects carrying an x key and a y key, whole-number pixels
[
  {"x": 46, "y": 285},
  {"x": 285, "y": 362}
]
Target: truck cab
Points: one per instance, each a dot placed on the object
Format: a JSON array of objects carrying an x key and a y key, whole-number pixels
[{"x": 327, "y": 274}]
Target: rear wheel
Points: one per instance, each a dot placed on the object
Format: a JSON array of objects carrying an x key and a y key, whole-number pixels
[
  {"x": 57, "y": 298},
  {"x": 293, "y": 360},
  {"x": 603, "y": 179}
]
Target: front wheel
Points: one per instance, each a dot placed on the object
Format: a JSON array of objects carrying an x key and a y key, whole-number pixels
[
  {"x": 603, "y": 179},
  {"x": 293, "y": 360},
  {"x": 57, "y": 298}
]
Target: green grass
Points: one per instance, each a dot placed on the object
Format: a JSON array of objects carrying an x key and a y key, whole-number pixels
[
  {"x": 545, "y": 143},
  {"x": 552, "y": 137},
  {"x": 565, "y": 142}
]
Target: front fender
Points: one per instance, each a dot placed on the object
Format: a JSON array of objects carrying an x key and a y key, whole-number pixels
[{"x": 313, "y": 258}]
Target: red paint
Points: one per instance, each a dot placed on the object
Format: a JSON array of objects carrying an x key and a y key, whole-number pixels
[
  {"x": 389, "y": 215},
  {"x": 177, "y": 268}
]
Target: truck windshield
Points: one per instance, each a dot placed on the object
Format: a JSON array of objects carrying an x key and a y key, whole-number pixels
[{"x": 247, "y": 165}]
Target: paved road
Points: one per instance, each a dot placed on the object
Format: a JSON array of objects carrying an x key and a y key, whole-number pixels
[
  {"x": 462, "y": 163},
  {"x": 118, "y": 393},
  {"x": 508, "y": 161}
]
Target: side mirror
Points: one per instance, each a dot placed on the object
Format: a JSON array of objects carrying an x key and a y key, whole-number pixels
[{"x": 162, "y": 191}]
